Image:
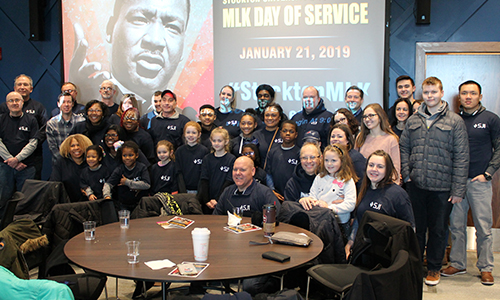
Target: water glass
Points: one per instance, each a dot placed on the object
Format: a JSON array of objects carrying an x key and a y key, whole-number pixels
[{"x": 89, "y": 230}]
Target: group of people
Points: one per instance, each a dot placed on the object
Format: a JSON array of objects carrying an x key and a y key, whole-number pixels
[{"x": 411, "y": 163}]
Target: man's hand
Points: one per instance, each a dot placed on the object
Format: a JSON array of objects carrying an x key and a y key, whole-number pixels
[
  {"x": 212, "y": 203},
  {"x": 347, "y": 248},
  {"x": 92, "y": 197},
  {"x": 455, "y": 199},
  {"x": 479, "y": 178},
  {"x": 20, "y": 166},
  {"x": 12, "y": 162},
  {"x": 86, "y": 74}
]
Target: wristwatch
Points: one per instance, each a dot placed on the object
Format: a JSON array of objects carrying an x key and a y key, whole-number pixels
[{"x": 487, "y": 176}]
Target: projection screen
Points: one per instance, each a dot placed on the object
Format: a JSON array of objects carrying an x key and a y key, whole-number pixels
[{"x": 287, "y": 44}]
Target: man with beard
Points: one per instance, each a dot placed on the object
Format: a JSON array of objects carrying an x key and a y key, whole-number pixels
[{"x": 108, "y": 91}]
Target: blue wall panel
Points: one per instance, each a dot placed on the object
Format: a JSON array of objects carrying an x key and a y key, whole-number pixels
[
  {"x": 451, "y": 21},
  {"x": 39, "y": 59}
]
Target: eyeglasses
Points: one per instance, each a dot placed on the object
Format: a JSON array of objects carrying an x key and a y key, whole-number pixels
[
  {"x": 248, "y": 153},
  {"x": 68, "y": 91},
  {"x": 14, "y": 100},
  {"x": 369, "y": 116},
  {"x": 307, "y": 158},
  {"x": 106, "y": 89},
  {"x": 130, "y": 118},
  {"x": 110, "y": 135},
  {"x": 95, "y": 111}
]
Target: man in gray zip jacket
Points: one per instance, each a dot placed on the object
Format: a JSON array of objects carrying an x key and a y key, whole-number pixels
[{"x": 434, "y": 163}]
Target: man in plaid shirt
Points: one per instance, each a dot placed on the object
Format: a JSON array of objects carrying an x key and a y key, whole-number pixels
[{"x": 59, "y": 127}]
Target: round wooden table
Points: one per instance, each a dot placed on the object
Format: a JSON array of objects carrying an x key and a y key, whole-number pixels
[{"x": 230, "y": 255}]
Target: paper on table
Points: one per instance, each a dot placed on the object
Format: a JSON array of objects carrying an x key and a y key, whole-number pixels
[{"x": 159, "y": 264}]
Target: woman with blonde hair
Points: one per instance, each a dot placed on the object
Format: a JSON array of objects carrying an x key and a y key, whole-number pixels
[
  {"x": 70, "y": 165},
  {"x": 376, "y": 134}
]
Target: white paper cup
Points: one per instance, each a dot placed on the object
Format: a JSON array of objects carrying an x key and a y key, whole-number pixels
[
  {"x": 124, "y": 216},
  {"x": 133, "y": 251},
  {"x": 89, "y": 230},
  {"x": 201, "y": 238}
]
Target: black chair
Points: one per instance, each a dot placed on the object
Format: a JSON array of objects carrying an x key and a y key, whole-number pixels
[
  {"x": 10, "y": 209},
  {"x": 64, "y": 222},
  {"x": 85, "y": 286},
  {"x": 39, "y": 198},
  {"x": 378, "y": 242},
  {"x": 342, "y": 278}
]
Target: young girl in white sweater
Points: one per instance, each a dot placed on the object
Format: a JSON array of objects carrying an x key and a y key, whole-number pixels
[{"x": 334, "y": 187}]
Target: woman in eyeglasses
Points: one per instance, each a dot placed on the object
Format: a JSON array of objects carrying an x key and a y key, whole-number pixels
[
  {"x": 376, "y": 134},
  {"x": 345, "y": 116},
  {"x": 97, "y": 120},
  {"x": 133, "y": 132}
]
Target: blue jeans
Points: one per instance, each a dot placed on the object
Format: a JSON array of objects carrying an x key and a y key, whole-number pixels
[
  {"x": 478, "y": 198},
  {"x": 10, "y": 180},
  {"x": 432, "y": 211}
]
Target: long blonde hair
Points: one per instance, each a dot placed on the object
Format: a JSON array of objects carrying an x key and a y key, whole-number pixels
[
  {"x": 383, "y": 123},
  {"x": 346, "y": 170}
]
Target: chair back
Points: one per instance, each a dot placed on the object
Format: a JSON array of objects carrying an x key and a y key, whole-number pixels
[
  {"x": 10, "y": 209},
  {"x": 379, "y": 240},
  {"x": 394, "y": 282},
  {"x": 39, "y": 198}
]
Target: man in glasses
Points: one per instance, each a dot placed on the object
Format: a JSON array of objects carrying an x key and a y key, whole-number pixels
[
  {"x": 69, "y": 88},
  {"x": 108, "y": 91},
  {"x": 23, "y": 85},
  {"x": 59, "y": 127},
  {"x": 18, "y": 142},
  {"x": 313, "y": 116}
]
